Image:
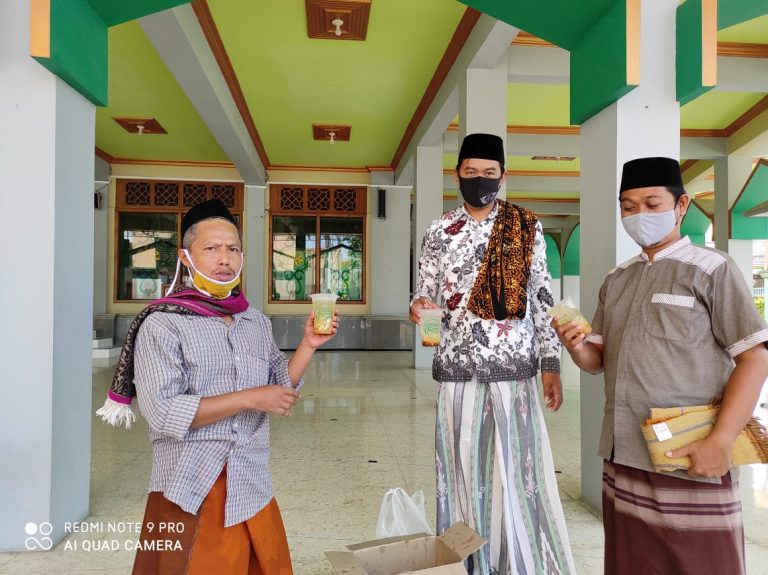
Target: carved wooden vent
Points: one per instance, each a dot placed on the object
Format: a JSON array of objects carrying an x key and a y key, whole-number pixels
[
  {"x": 227, "y": 193},
  {"x": 137, "y": 194},
  {"x": 292, "y": 199},
  {"x": 317, "y": 200},
  {"x": 167, "y": 195},
  {"x": 194, "y": 194},
  {"x": 345, "y": 201}
]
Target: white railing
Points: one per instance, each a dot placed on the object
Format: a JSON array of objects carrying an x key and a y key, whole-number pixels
[{"x": 758, "y": 291}]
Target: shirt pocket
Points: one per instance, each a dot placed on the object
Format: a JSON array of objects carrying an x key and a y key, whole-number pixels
[
  {"x": 670, "y": 316},
  {"x": 256, "y": 368}
]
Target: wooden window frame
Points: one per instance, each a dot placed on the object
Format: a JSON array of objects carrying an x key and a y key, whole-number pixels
[
  {"x": 360, "y": 212},
  {"x": 121, "y": 207}
]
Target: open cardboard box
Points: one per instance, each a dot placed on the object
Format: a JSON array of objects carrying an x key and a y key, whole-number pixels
[{"x": 411, "y": 554}]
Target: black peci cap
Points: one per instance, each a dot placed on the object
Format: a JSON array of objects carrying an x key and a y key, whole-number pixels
[
  {"x": 651, "y": 172},
  {"x": 205, "y": 211},
  {"x": 482, "y": 147}
]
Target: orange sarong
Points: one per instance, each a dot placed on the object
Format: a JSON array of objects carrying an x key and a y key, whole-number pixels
[{"x": 200, "y": 544}]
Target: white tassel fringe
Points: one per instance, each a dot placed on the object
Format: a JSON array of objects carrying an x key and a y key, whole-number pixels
[{"x": 116, "y": 414}]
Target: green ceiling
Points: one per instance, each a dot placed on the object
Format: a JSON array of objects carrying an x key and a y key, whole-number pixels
[
  {"x": 716, "y": 110},
  {"x": 140, "y": 85},
  {"x": 291, "y": 81},
  {"x": 751, "y": 32},
  {"x": 538, "y": 105},
  {"x": 547, "y": 105}
]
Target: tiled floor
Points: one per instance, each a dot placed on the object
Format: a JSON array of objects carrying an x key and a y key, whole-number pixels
[{"x": 364, "y": 424}]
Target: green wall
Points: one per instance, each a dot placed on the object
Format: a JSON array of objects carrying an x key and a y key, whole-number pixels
[{"x": 572, "y": 253}]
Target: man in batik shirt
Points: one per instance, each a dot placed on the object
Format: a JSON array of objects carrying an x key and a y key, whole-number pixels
[
  {"x": 675, "y": 326},
  {"x": 484, "y": 263}
]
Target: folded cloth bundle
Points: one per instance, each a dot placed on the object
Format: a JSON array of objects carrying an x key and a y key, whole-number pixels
[{"x": 671, "y": 428}]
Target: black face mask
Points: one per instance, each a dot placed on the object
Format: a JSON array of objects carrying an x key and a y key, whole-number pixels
[{"x": 479, "y": 192}]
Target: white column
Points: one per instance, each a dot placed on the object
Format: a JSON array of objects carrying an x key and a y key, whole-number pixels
[
  {"x": 571, "y": 288},
  {"x": 390, "y": 247},
  {"x": 428, "y": 203},
  {"x": 741, "y": 252},
  {"x": 46, "y": 290},
  {"x": 101, "y": 237},
  {"x": 569, "y": 372},
  {"x": 483, "y": 102},
  {"x": 731, "y": 173},
  {"x": 556, "y": 285},
  {"x": 256, "y": 236},
  {"x": 645, "y": 122}
]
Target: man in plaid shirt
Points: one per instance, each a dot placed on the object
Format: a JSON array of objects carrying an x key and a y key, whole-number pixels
[{"x": 206, "y": 381}]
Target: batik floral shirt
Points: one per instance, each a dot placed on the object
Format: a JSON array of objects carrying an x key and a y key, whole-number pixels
[{"x": 508, "y": 350}]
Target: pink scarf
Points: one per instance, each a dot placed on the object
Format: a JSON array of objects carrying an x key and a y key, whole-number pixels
[{"x": 117, "y": 408}]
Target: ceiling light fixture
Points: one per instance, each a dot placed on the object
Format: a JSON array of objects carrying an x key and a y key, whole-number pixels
[
  {"x": 337, "y": 23},
  {"x": 140, "y": 125},
  {"x": 554, "y": 158},
  {"x": 331, "y": 133}
]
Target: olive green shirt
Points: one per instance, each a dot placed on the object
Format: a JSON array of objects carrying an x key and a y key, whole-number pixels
[{"x": 670, "y": 329}]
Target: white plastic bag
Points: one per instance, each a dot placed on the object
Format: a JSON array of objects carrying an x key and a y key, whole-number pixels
[{"x": 402, "y": 514}]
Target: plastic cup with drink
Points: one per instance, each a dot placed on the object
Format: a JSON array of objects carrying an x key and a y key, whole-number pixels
[
  {"x": 324, "y": 306},
  {"x": 431, "y": 320},
  {"x": 565, "y": 311}
]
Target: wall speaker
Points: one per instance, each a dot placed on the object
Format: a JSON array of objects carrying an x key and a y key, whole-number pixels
[{"x": 382, "y": 204}]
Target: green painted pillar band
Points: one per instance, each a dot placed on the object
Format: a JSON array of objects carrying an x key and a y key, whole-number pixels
[
  {"x": 69, "y": 38},
  {"x": 732, "y": 12},
  {"x": 553, "y": 257},
  {"x": 695, "y": 224},
  {"x": 117, "y": 12},
  {"x": 696, "y": 48},
  {"x": 77, "y": 47},
  {"x": 744, "y": 227},
  {"x": 605, "y": 63}
]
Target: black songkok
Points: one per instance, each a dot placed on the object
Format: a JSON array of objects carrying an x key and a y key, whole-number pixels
[
  {"x": 650, "y": 173},
  {"x": 482, "y": 147},
  {"x": 204, "y": 211}
]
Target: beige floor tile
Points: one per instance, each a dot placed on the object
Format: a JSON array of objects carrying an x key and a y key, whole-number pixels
[
  {"x": 355, "y": 407},
  {"x": 39, "y": 571},
  {"x": 757, "y": 560}
]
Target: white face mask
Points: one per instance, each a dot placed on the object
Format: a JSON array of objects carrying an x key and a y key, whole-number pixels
[{"x": 648, "y": 229}]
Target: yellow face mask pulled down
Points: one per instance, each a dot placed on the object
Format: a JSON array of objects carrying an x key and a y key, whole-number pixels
[{"x": 210, "y": 286}]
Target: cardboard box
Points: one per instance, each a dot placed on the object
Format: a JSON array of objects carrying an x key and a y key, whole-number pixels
[{"x": 412, "y": 554}]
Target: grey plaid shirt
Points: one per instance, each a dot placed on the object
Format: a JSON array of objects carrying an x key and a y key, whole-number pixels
[{"x": 183, "y": 358}]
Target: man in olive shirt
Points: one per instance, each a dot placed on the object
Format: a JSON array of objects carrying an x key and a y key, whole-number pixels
[{"x": 670, "y": 325}]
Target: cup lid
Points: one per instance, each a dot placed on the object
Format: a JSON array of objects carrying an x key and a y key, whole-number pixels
[{"x": 324, "y": 296}]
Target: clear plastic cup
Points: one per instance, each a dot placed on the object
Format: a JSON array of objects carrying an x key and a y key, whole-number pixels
[
  {"x": 431, "y": 323},
  {"x": 564, "y": 312},
  {"x": 324, "y": 306}
]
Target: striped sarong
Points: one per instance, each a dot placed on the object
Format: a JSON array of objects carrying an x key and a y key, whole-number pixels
[
  {"x": 495, "y": 473},
  {"x": 661, "y": 524}
]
